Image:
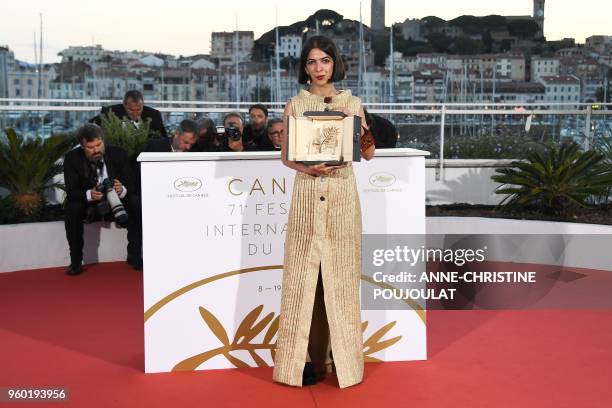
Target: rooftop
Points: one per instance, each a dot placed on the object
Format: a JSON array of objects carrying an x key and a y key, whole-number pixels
[
  {"x": 561, "y": 79},
  {"x": 515, "y": 87}
]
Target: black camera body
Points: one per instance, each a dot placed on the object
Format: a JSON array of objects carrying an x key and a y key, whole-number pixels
[{"x": 232, "y": 132}]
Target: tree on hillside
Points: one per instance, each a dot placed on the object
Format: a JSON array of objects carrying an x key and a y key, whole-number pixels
[
  {"x": 440, "y": 42},
  {"x": 432, "y": 22},
  {"x": 480, "y": 25},
  {"x": 525, "y": 29},
  {"x": 469, "y": 24},
  {"x": 263, "y": 47},
  {"x": 494, "y": 22},
  {"x": 466, "y": 45},
  {"x": 324, "y": 17}
]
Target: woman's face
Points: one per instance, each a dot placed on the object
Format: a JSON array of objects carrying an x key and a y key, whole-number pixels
[{"x": 319, "y": 67}]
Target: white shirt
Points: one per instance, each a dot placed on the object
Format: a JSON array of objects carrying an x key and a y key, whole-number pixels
[{"x": 103, "y": 174}]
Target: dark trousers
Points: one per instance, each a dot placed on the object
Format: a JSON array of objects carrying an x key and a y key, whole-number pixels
[
  {"x": 318, "y": 339},
  {"x": 75, "y": 212}
]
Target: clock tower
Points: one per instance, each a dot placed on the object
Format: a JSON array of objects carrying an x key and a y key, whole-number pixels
[
  {"x": 538, "y": 16},
  {"x": 378, "y": 15}
]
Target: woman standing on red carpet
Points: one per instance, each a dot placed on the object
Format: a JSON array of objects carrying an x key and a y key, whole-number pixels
[{"x": 322, "y": 267}]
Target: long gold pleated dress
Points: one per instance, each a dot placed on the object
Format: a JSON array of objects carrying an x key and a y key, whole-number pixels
[{"x": 324, "y": 231}]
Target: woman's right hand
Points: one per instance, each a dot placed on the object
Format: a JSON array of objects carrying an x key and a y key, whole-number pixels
[{"x": 324, "y": 170}]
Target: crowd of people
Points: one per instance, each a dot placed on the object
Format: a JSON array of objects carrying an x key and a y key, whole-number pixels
[
  {"x": 87, "y": 166},
  {"x": 201, "y": 135}
]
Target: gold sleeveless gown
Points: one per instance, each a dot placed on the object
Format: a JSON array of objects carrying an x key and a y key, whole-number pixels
[{"x": 324, "y": 229}]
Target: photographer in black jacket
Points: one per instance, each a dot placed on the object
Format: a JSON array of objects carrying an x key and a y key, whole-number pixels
[
  {"x": 232, "y": 138},
  {"x": 255, "y": 131},
  {"x": 85, "y": 169},
  {"x": 184, "y": 139},
  {"x": 134, "y": 110},
  {"x": 385, "y": 133}
]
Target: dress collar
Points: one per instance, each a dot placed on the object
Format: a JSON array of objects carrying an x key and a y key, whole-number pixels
[{"x": 341, "y": 93}]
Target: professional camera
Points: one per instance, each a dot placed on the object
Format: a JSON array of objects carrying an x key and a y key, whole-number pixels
[
  {"x": 232, "y": 132},
  {"x": 119, "y": 213}
]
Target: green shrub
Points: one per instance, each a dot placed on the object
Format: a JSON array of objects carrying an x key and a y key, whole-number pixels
[
  {"x": 555, "y": 179},
  {"x": 124, "y": 134},
  {"x": 28, "y": 166},
  {"x": 605, "y": 148},
  {"x": 487, "y": 147},
  {"x": 9, "y": 213}
]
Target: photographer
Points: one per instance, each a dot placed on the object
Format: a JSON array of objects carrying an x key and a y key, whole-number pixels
[
  {"x": 185, "y": 138},
  {"x": 275, "y": 135},
  {"x": 207, "y": 136},
  {"x": 231, "y": 139},
  {"x": 385, "y": 133},
  {"x": 255, "y": 131},
  {"x": 98, "y": 183},
  {"x": 134, "y": 110}
]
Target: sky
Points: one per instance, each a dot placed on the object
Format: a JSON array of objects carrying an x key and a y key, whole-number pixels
[{"x": 183, "y": 27}]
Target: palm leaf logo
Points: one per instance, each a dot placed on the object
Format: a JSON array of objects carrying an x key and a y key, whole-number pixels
[
  {"x": 251, "y": 326},
  {"x": 248, "y": 329},
  {"x": 374, "y": 343}
]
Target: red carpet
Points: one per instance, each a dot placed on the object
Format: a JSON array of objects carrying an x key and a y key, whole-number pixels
[{"x": 85, "y": 334}]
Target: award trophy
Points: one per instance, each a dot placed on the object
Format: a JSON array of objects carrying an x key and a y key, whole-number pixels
[{"x": 323, "y": 137}]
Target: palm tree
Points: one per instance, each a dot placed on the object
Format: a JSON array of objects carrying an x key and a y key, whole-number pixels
[
  {"x": 605, "y": 148},
  {"x": 28, "y": 166},
  {"x": 554, "y": 180}
]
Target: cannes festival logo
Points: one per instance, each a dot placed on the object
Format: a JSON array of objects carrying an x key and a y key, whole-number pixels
[
  {"x": 382, "y": 179},
  {"x": 187, "y": 184}
]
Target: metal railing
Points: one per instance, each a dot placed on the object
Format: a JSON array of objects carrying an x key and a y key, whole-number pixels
[{"x": 448, "y": 131}]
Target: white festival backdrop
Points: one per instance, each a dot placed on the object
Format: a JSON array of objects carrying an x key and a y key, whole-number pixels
[{"x": 214, "y": 233}]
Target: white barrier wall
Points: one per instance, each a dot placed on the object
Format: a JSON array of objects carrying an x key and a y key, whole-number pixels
[
  {"x": 213, "y": 250},
  {"x": 461, "y": 185},
  {"x": 37, "y": 245},
  {"x": 43, "y": 244}
]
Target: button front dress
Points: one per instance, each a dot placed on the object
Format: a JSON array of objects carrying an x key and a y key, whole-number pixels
[{"x": 323, "y": 231}]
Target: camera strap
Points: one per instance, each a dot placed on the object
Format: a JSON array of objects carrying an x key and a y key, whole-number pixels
[{"x": 98, "y": 171}]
